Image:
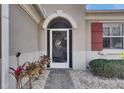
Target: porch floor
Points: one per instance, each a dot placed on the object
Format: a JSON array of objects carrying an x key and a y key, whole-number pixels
[
  {"x": 74, "y": 79},
  {"x": 59, "y": 79}
]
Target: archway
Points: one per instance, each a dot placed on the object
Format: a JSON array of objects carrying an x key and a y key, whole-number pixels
[{"x": 62, "y": 15}]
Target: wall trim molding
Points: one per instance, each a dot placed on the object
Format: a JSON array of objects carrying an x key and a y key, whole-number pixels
[
  {"x": 43, "y": 11},
  {"x": 29, "y": 9}
]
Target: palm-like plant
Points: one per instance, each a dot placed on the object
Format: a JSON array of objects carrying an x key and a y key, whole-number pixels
[{"x": 32, "y": 70}]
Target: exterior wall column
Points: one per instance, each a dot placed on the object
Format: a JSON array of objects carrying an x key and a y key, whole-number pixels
[{"x": 5, "y": 46}]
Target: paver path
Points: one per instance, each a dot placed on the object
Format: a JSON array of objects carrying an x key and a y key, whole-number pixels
[{"x": 59, "y": 79}]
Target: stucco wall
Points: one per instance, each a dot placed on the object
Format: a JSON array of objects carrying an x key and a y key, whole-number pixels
[
  {"x": 23, "y": 31},
  {"x": 23, "y": 37},
  {"x": 105, "y": 16},
  {"x": 77, "y": 12}
]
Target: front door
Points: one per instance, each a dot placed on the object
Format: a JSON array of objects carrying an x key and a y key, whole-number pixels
[{"x": 59, "y": 48}]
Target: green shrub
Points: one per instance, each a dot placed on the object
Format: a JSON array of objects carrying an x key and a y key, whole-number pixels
[{"x": 107, "y": 68}]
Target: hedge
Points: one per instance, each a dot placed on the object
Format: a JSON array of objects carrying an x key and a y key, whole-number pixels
[{"x": 107, "y": 68}]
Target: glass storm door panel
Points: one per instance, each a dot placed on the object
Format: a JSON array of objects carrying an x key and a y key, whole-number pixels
[{"x": 59, "y": 48}]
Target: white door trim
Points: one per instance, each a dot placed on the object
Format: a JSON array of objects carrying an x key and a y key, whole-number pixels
[{"x": 59, "y": 65}]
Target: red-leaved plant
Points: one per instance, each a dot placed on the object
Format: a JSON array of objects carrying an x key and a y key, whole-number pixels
[{"x": 18, "y": 74}]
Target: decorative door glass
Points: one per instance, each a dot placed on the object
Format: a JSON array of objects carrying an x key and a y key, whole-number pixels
[{"x": 59, "y": 46}]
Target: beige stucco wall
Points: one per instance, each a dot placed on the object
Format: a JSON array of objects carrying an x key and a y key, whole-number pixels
[
  {"x": 23, "y": 31},
  {"x": 105, "y": 16},
  {"x": 23, "y": 37},
  {"x": 77, "y": 12}
]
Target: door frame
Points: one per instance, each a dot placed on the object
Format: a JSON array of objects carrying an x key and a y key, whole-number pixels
[{"x": 70, "y": 44}]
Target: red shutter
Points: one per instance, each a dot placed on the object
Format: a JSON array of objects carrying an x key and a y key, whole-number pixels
[{"x": 96, "y": 36}]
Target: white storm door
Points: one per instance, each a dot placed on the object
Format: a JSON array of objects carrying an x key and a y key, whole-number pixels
[{"x": 59, "y": 48}]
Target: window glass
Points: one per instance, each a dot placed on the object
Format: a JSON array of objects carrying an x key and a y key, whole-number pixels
[
  {"x": 116, "y": 42},
  {"x": 106, "y": 31},
  {"x": 106, "y": 42},
  {"x": 116, "y": 30}
]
